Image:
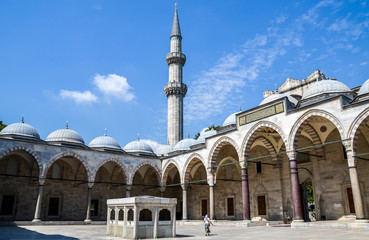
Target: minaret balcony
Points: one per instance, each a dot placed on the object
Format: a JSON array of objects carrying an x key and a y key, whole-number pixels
[
  {"x": 175, "y": 88},
  {"x": 175, "y": 57}
]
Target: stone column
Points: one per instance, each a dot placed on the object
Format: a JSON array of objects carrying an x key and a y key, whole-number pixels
[
  {"x": 295, "y": 186},
  {"x": 354, "y": 179},
  {"x": 125, "y": 211},
  {"x": 108, "y": 221},
  {"x": 156, "y": 221},
  {"x": 211, "y": 192},
  {"x": 116, "y": 219},
  {"x": 88, "y": 214},
  {"x": 128, "y": 190},
  {"x": 173, "y": 218},
  {"x": 135, "y": 221},
  {"x": 245, "y": 192},
  {"x": 37, "y": 217},
  {"x": 184, "y": 202}
]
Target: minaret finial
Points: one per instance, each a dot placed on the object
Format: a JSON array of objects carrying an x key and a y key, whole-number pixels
[
  {"x": 105, "y": 133},
  {"x": 176, "y": 31},
  {"x": 175, "y": 5},
  {"x": 138, "y": 137},
  {"x": 276, "y": 88},
  {"x": 66, "y": 125},
  {"x": 240, "y": 108},
  {"x": 188, "y": 134},
  {"x": 22, "y": 119}
]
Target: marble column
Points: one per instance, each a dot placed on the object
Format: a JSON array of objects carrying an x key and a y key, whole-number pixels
[
  {"x": 184, "y": 202},
  {"x": 211, "y": 182},
  {"x": 116, "y": 219},
  {"x": 245, "y": 192},
  {"x": 355, "y": 185},
  {"x": 156, "y": 222},
  {"x": 128, "y": 190},
  {"x": 135, "y": 221},
  {"x": 173, "y": 218},
  {"x": 37, "y": 217},
  {"x": 295, "y": 186},
  {"x": 88, "y": 214},
  {"x": 125, "y": 221}
]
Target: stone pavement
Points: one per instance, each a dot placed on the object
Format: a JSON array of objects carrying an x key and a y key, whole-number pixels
[{"x": 187, "y": 232}]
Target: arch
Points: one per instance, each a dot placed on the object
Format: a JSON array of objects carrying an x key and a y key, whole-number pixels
[
  {"x": 355, "y": 128},
  {"x": 188, "y": 166},
  {"x": 94, "y": 172},
  {"x": 251, "y": 136},
  {"x": 238, "y": 166},
  {"x": 218, "y": 146},
  {"x": 130, "y": 179},
  {"x": 269, "y": 146},
  {"x": 301, "y": 123},
  {"x": 69, "y": 154},
  {"x": 167, "y": 168},
  {"x": 22, "y": 148}
]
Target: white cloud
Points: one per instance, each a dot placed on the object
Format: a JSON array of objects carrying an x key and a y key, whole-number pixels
[
  {"x": 114, "y": 86},
  {"x": 364, "y": 63},
  {"x": 281, "y": 19},
  {"x": 78, "y": 97}
]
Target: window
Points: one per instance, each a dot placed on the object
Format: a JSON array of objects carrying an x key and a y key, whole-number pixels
[
  {"x": 112, "y": 215},
  {"x": 164, "y": 215},
  {"x": 94, "y": 208},
  {"x": 261, "y": 205},
  {"x": 258, "y": 167},
  {"x": 54, "y": 206},
  {"x": 230, "y": 207},
  {"x": 121, "y": 215},
  {"x": 145, "y": 215},
  {"x": 7, "y": 205},
  {"x": 130, "y": 215}
]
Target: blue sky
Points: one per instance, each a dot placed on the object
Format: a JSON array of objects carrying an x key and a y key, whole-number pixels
[{"x": 101, "y": 64}]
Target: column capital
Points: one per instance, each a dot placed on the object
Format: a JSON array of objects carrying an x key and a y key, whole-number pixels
[
  {"x": 243, "y": 164},
  {"x": 292, "y": 155},
  {"x": 184, "y": 186},
  {"x": 128, "y": 187},
  {"x": 41, "y": 181},
  {"x": 210, "y": 170},
  {"x": 347, "y": 144},
  {"x": 90, "y": 184}
]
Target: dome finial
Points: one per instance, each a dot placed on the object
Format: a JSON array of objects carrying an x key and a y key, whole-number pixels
[
  {"x": 66, "y": 125},
  {"x": 138, "y": 137},
  {"x": 105, "y": 133},
  {"x": 22, "y": 119},
  {"x": 188, "y": 134},
  {"x": 240, "y": 108}
]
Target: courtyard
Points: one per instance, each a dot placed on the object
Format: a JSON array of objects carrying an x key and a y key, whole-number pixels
[{"x": 188, "y": 231}]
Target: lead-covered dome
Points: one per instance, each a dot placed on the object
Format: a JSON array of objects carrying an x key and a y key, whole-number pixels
[
  {"x": 20, "y": 129},
  {"x": 104, "y": 142},
  {"x": 364, "y": 88},
  {"x": 163, "y": 150},
  {"x": 276, "y": 96},
  {"x": 325, "y": 86},
  {"x": 231, "y": 119},
  {"x": 206, "y": 134},
  {"x": 185, "y": 144},
  {"x": 138, "y": 147},
  {"x": 65, "y": 135}
]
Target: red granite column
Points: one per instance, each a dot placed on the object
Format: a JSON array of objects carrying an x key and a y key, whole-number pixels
[
  {"x": 296, "y": 195},
  {"x": 245, "y": 192}
]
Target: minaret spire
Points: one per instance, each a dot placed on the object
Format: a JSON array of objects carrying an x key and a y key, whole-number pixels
[{"x": 175, "y": 89}]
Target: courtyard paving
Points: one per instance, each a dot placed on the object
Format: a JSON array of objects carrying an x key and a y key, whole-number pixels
[{"x": 188, "y": 232}]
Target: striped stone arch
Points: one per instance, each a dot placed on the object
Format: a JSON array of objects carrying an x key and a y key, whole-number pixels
[
  {"x": 302, "y": 122},
  {"x": 130, "y": 179},
  {"x": 315, "y": 139},
  {"x": 69, "y": 154},
  {"x": 189, "y": 165},
  {"x": 269, "y": 146},
  {"x": 119, "y": 163},
  {"x": 221, "y": 142},
  {"x": 356, "y": 127},
  {"x": 166, "y": 169},
  {"x": 252, "y": 134},
  {"x": 25, "y": 149}
]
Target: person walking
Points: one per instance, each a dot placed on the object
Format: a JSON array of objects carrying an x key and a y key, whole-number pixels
[{"x": 207, "y": 222}]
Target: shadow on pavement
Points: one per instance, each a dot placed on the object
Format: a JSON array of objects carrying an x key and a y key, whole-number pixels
[{"x": 18, "y": 233}]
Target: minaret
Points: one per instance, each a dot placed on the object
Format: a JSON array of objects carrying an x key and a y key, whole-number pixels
[{"x": 175, "y": 90}]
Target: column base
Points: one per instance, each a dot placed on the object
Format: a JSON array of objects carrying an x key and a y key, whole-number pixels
[
  {"x": 298, "y": 221},
  {"x": 87, "y": 221},
  {"x": 362, "y": 220},
  {"x": 184, "y": 220},
  {"x": 36, "y": 220}
]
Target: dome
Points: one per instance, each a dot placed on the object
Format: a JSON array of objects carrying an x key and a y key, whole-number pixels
[
  {"x": 231, "y": 119},
  {"x": 325, "y": 86},
  {"x": 364, "y": 88},
  {"x": 163, "y": 150},
  {"x": 138, "y": 147},
  {"x": 184, "y": 144},
  {"x": 20, "y": 129},
  {"x": 206, "y": 134},
  {"x": 65, "y": 135},
  {"x": 104, "y": 142},
  {"x": 276, "y": 96}
]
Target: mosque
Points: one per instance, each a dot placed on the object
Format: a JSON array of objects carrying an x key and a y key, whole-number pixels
[{"x": 301, "y": 155}]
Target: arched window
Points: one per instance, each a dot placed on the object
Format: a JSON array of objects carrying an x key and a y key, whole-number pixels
[
  {"x": 164, "y": 215},
  {"x": 130, "y": 215},
  {"x": 121, "y": 215},
  {"x": 145, "y": 215},
  {"x": 112, "y": 215}
]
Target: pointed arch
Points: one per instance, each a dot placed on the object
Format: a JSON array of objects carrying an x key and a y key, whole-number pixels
[
  {"x": 269, "y": 146},
  {"x": 252, "y": 134},
  {"x": 302, "y": 122},
  {"x": 169, "y": 165},
  {"x": 25, "y": 149},
  {"x": 189, "y": 164},
  {"x": 157, "y": 171},
  {"x": 69, "y": 154},
  {"x": 218, "y": 146},
  {"x": 119, "y": 163},
  {"x": 355, "y": 128}
]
